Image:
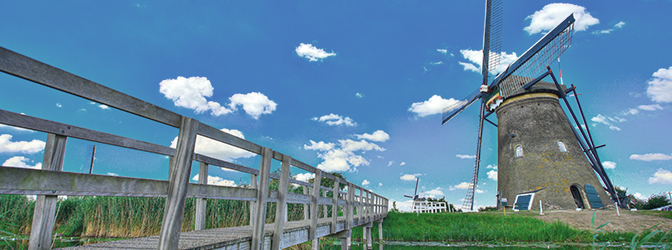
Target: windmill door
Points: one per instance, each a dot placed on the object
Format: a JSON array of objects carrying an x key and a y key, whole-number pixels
[
  {"x": 593, "y": 198},
  {"x": 578, "y": 200}
]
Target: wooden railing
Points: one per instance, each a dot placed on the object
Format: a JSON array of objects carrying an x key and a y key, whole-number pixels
[{"x": 51, "y": 181}]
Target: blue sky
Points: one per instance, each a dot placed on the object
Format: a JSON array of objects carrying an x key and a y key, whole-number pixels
[{"x": 353, "y": 87}]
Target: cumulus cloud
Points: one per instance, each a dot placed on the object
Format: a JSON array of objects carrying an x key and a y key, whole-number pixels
[
  {"x": 463, "y": 185},
  {"x": 409, "y": 177},
  {"x": 491, "y": 167},
  {"x": 21, "y": 162},
  {"x": 343, "y": 156},
  {"x": 465, "y": 156},
  {"x": 218, "y": 181},
  {"x": 651, "y": 157},
  {"x": 607, "y": 121},
  {"x": 380, "y": 184},
  {"x": 442, "y": 51},
  {"x": 492, "y": 175},
  {"x": 191, "y": 93},
  {"x": 305, "y": 177},
  {"x": 359, "y": 95},
  {"x": 434, "y": 105},
  {"x": 15, "y": 128},
  {"x": 476, "y": 59},
  {"x": 402, "y": 163},
  {"x": 609, "y": 164},
  {"x": 660, "y": 87},
  {"x": 434, "y": 193},
  {"x": 335, "y": 120},
  {"x": 312, "y": 53},
  {"x": 59, "y": 105},
  {"x": 390, "y": 163},
  {"x": 661, "y": 176},
  {"x": 31, "y": 147},
  {"x": 112, "y": 174},
  {"x": 379, "y": 135},
  {"x": 219, "y": 150},
  {"x": 639, "y": 196},
  {"x": 551, "y": 15},
  {"x": 365, "y": 182}
]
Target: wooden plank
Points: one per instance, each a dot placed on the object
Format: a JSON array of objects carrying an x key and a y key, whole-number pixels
[
  {"x": 262, "y": 194},
  {"x": 314, "y": 205},
  {"x": 30, "y": 69},
  {"x": 201, "y": 203},
  {"x": 225, "y": 164},
  {"x": 34, "y": 123},
  {"x": 280, "y": 210}
]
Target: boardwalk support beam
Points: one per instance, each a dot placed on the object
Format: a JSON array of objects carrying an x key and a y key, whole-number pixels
[
  {"x": 281, "y": 207},
  {"x": 262, "y": 197},
  {"x": 201, "y": 203},
  {"x": 179, "y": 181}
]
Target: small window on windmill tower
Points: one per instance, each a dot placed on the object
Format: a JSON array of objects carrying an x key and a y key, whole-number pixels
[
  {"x": 562, "y": 147},
  {"x": 519, "y": 151}
]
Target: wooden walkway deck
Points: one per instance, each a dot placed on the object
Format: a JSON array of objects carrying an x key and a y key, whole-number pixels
[{"x": 295, "y": 232}]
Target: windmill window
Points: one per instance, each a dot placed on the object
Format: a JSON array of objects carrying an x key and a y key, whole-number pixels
[
  {"x": 523, "y": 202},
  {"x": 519, "y": 151},
  {"x": 562, "y": 147}
]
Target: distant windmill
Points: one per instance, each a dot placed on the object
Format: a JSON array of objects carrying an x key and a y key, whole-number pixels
[
  {"x": 416, "y": 198},
  {"x": 554, "y": 164}
]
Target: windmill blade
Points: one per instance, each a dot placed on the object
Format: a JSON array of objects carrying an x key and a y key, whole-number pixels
[
  {"x": 492, "y": 37},
  {"x": 416, "y": 187},
  {"x": 534, "y": 61},
  {"x": 456, "y": 108},
  {"x": 408, "y": 196}
]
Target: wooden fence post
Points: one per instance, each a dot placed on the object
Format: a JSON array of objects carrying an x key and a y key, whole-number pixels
[
  {"x": 305, "y": 206},
  {"x": 262, "y": 197},
  {"x": 45, "y": 205},
  {"x": 281, "y": 208},
  {"x": 314, "y": 206},
  {"x": 253, "y": 204},
  {"x": 334, "y": 207},
  {"x": 179, "y": 181},
  {"x": 201, "y": 203},
  {"x": 349, "y": 209},
  {"x": 360, "y": 209}
]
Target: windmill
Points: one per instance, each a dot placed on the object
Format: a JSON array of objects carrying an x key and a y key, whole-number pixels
[
  {"x": 563, "y": 177},
  {"x": 416, "y": 198}
]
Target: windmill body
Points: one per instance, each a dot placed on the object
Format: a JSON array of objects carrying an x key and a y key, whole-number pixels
[{"x": 539, "y": 153}]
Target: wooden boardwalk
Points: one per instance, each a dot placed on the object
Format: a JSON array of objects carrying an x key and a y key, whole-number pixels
[
  {"x": 295, "y": 232},
  {"x": 359, "y": 206}
]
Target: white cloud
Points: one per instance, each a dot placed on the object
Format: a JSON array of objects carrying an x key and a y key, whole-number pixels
[
  {"x": 402, "y": 163},
  {"x": 491, "y": 167},
  {"x": 59, "y": 105},
  {"x": 478, "y": 191},
  {"x": 606, "y": 121},
  {"x": 359, "y": 95},
  {"x": 434, "y": 105},
  {"x": 410, "y": 177},
  {"x": 103, "y": 106},
  {"x": 380, "y": 184},
  {"x": 379, "y": 135},
  {"x": 436, "y": 63},
  {"x": 463, "y": 185},
  {"x": 112, "y": 174},
  {"x": 341, "y": 158},
  {"x": 607, "y": 31},
  {"x": 191, "y": 93},
  {"x": 551, "y": 15},
  {"x": 365, "y": 182},
  {"x": 218, "y": 181},
  {"x": 466, "y": 156},
  {"x": 652, "y": 107},
  {"x": 639, "y": 196},
  {"x": 476, "y": 59},
  {"x": 492, "y": 174},
  {"x": 443, "y": 51},
  {"x": 322, "y": 146},
  {"x": 21, "y": 162},
  {"x": 651, "y": 157},
  {"x": 609, "y": 164},
  {"x": 631, "y": 112},
  {"x": 219, "y": 150},
  {"x": 661, "y": 176},
  {"x": 434, "y": 193},
  {"x": 255, "y": 104},
  {"x": 390, "y": 163},
  {"x": 660, "y": 87},
  {"x": 305, "y": 177},
  {"x": 6, "y": 145},
  {"x": 312, "y": 53},
  {"x": 335, "y": 120}
]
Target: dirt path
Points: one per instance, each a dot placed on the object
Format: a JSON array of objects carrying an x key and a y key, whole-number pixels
[{"x": 627, "y": 222}]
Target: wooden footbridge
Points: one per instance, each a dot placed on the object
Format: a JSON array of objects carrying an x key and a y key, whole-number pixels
[{"x": 359, "y": 206}]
